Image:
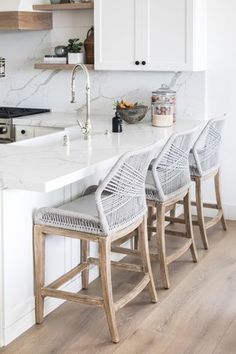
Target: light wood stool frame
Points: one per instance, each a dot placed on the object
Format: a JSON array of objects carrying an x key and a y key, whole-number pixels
[
  {"x": 160, "y": 232},
  {"x": 200, "y": 205},
  {"x": 219, "y": 217},
  {"x": 104, "y": 262},
  {"x": 156, "y": 214}
]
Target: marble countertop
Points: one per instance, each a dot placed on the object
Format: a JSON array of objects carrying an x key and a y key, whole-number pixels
[{"x": 43, "y": 164}]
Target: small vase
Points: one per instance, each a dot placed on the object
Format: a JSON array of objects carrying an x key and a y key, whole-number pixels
[
  {"x": 76, "y": 58},
  {"x": 60, "y": 51},
  {"x": 89, "y": 46}
]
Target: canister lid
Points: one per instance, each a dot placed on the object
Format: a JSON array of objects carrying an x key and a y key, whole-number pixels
[{"x": 164, "y": 90}]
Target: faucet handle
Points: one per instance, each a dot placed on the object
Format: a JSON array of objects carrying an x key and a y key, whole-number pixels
[
  {"x": 80, "y": 124},
  {"x": 84, "y": 129}
]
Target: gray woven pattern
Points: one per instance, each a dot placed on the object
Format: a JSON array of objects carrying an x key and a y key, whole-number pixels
[
  {"x": 120, "y": 199},
  {"x": 117, "y": 203},
  {"x": 170, "y": 170},
  {"x": 204, "y": 155},
  {"x": 78, "y": 215}
]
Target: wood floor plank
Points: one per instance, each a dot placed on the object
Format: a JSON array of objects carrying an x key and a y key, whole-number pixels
[
  {"x": 197, "y": 315},
  {"x": 228, "y": 342}
]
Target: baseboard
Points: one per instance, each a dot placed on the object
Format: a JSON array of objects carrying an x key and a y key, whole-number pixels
[{"x": 230, "y": 211}]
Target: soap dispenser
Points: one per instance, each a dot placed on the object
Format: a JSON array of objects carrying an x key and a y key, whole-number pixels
[{"x": 117, "y": 124}]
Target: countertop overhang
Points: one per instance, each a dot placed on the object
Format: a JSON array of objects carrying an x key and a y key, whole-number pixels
[{"x": 43, "y": 164}]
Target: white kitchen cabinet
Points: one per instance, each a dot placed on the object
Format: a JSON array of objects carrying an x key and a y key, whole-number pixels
[
  {"x": 23, "y": 132},
  {"x": 150, "y": 35}
]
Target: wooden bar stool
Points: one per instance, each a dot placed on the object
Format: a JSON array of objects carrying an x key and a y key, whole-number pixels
[
  {"x": 204, "y": 164},
  {"x": 117, "y": 208},
  {"x": 167, "y": 183}
]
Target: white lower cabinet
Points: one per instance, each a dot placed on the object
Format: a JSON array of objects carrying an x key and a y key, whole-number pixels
[
  {"x": 150, "y": 35},
  {"x": 26, "y": 132}
]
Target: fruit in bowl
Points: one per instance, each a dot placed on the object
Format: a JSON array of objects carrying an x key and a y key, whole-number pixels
[{"x": 131, "y": 112}]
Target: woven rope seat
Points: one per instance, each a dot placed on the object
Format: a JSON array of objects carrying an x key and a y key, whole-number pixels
[{"x": 79, "y": 215}]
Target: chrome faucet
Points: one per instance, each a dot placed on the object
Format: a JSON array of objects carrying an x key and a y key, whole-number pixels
[{"x": 86, "y": 129}]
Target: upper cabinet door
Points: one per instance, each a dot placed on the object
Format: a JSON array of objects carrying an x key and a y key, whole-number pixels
[
  {"x": 169, "y": 34},
  {"x": 150, "y": 35},
  {"x": 114, "y": 22}
]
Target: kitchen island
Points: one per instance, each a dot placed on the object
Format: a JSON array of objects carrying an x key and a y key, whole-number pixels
[{"x": 43, "y": 172}]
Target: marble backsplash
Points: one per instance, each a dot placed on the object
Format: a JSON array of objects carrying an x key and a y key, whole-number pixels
[{"x": 26, "y": 87}]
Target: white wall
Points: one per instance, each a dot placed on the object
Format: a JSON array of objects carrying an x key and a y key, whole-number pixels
[{"x": 221, "y": 82}]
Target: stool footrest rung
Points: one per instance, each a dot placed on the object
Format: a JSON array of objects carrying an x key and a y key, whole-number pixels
[
  {"x": 208, "y": 224},
  {"x": 69, "y": 275},
  {"x": 121, "y": 265},
  {"x": 205, "y": 205},
  {"x": 213, "y": 221},
  {"x": 176, "y": 233},
  {"x": 174, "y": 220},
  {"x": 133, "y": 293},
  {"x": 65, "y": 295},
  {"x": 177, "y": 254},
  {"x": 123, "y": 250}
]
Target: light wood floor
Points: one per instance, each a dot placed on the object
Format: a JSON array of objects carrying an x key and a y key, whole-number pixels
[{"x": 197, "y": 315}]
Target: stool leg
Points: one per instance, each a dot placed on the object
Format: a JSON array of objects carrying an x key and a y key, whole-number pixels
[
  {"x": 144, "y": 249},
  {"x": 105, "y": 269},
  {"x": 200, "y": 214},
  {"x": 173, "y": 213},
  {"x": 39, "y": 268},
  {"x": 161, "y": 244},
  {"x": 136, "y": 242},
  {"x": 218, "y": 199},
  {"x": 84, "y": 258},
  {"x": 150, "y": 221},
  {"x": 188, "y": 224}
]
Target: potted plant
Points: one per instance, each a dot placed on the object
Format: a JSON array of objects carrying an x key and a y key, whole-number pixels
[{"x": 75, "y": 53}]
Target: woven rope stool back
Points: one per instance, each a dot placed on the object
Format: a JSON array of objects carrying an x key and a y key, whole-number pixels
[
  {"x": 170, "y": 169},
  {"x": 204, "y": 156},
  {"x": 120, "y": 198}
]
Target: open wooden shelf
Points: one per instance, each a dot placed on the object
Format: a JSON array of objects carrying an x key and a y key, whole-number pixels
[
  {"x": 64, "y": 7},
  {"x": 44, "y": 66},
  {"x": 25, "y": 20}
]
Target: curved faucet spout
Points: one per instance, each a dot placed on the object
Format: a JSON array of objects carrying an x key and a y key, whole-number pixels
[{"x": 86, "y": 129}]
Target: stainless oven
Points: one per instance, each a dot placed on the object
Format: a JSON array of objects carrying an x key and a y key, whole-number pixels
[{"x": 7, "y": 129}]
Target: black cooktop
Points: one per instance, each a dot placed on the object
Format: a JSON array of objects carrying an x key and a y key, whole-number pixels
[{"x": 15, "y": 112}]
